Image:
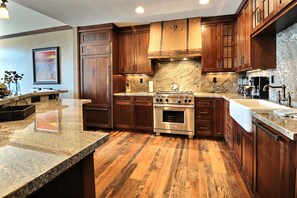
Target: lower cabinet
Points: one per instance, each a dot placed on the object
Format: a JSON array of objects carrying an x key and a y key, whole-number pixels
[
  {"x": 243, "y": 150},
  {"x": 96, "y": 116},
  {"x": 228, "y": 125},
  {"x": 275, "y": 163},
  {"x": 133, "y": 112},
  {"x": 209, "y": 116}
]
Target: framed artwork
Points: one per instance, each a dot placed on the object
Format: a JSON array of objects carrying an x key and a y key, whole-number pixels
[{"x": 46, "y": 65}]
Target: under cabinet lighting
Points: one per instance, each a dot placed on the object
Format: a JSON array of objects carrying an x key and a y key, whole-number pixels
[
  {"x": 3, "y": 10},
  {"x": 139, "y": 10},
  {"x": 203, "y": 2}
]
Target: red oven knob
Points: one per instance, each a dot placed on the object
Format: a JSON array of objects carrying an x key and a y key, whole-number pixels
[
  {"x": 189, "y": 100},
  {"x": 166, "y": 100},
  {"x": 161, "y": 100},
  {"x": 178, "y": 101},
  {"x": 186, "y": 100},
  {"x": 157, "y": 100}
]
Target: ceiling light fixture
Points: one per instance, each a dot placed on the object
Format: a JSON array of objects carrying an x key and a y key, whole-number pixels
[
  {"x": 203, "y": 2},
  {"x": 139, "y": 10},
  {"x": 3, "y": 10}
]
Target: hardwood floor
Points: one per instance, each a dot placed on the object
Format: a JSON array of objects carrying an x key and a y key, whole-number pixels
[{"x": 144, "y": 165}]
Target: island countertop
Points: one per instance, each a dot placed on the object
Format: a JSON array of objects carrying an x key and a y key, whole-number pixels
[{"x": 41, "y": 147}]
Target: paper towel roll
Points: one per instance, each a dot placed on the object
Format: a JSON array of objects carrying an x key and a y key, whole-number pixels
[{"x": 151, "y": 86}]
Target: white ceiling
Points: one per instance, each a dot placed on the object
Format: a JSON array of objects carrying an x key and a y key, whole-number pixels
[{"x": 120, "y": 12}]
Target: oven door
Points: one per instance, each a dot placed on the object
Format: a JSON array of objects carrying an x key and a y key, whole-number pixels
[{"x": 173, "y": 118}]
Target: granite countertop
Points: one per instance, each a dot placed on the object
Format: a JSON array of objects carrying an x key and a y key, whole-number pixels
[
  {"x": 36, "y": 150},
  {"x": 11, "y": 99},
  {"x": 284, "y": 125},
  {"x": 226, "y": 96},
  {"x": 134, "y": 94}
]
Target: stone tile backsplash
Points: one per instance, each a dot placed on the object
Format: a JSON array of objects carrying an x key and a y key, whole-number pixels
[{"x": 187, "y": 74}]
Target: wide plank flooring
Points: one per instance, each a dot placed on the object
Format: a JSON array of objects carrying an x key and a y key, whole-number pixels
[{"x": 135, "y": 164}]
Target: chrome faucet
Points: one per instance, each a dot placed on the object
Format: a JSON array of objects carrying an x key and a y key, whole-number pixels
[{"x": 281, "y": 98}]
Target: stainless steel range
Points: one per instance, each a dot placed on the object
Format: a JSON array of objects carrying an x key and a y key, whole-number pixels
[{"x": 174, "y": 113}]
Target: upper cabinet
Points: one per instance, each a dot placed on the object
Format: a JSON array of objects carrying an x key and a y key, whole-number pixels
[
  {"x": 218, "y": 44},
  {"x": 133, "y": 51},
  {"x": 175, "y": 39},
  {"x": 272, "y": 15},
  {"x": 243, "y": 41}
]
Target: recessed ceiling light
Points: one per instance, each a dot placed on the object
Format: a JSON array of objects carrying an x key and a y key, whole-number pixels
[
  {"x": 139, "y": 10},
  {"x": 203, "y": 2}
]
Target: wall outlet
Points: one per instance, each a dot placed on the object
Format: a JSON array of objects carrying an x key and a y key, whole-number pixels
[
  {"x": 141, "y": 80},
  {"x": 214, "y": 79},
  {"x": 272, "y": 79}
]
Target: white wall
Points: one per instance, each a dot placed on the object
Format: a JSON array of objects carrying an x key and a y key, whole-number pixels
[{"x": 16, "y": 54}]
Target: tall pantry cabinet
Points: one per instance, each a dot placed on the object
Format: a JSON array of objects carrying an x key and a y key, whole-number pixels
[{"x": 98, "y": 73}]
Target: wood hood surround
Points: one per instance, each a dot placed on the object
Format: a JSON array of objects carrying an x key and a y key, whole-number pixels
[{"x": 175, "y": 39}]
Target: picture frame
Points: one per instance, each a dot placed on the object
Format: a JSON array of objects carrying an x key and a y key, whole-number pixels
[{"x": 46, "y": 69}]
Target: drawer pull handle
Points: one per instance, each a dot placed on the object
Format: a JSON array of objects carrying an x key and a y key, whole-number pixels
[{"x": 275, "y": 137}]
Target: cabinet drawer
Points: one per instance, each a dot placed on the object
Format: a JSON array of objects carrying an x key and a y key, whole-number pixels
[
  {"x": 122, "y": 98},
  {"x": 95, "y": 49},
  {"x": 203, "y": 125},
  {"x": 95, "y": 37},
  {"x": 204, "y": 113},
  {"x": 204, "y": 103},
  {"x": 143, "y": 99}
]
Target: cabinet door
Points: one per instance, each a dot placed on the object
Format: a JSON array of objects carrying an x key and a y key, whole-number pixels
[
  {"x": 247, "y": 157},
  {"x": 227, "y": 46},
  {"x": 237, "y": 143},
  {"x": 280, "y": 4},
  {"x": 246, "y": 34},
  {"x": 95, "y": 85},
  {"x": 143, "y": 113},
  {"x": 96, "y": 79},
  {"x": 143, "y": 64},
  {"x": 228, "y": 133},
  {"x": 218, "y": 117},
  {"x": 256, "y": 13},
  {"x": 126, "y": 53},
  {"x": 211, "y": 40},
  {"x": 274, "y": 164},
  {"x": 123, "y": 112},
  {"x": 268, "y": 10}
]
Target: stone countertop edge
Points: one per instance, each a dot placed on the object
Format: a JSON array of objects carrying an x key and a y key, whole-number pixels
[
  {"x": 281, "y": 129},
  {"x": 51, "y": 174},
  {"x": 27, "y": 95},
  {"x": 226, "y": 96}
]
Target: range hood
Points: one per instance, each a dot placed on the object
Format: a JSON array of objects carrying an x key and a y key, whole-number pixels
[{"x": 175, "y": 39}]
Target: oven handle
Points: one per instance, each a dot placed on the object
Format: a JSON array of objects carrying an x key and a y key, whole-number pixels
[{"x": 175, "y": 106}]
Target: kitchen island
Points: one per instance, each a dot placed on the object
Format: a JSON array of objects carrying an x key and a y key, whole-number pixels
[{"x": 48, "y": 154}]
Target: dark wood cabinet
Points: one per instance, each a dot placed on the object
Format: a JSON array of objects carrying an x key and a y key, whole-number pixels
[
  {"x": 228, "y": 126},
  {"x": 123, "y": 112},
  {"x": 134, "y": 43},
  {"x": 275, "y": 165},
  {"x": 243, "y": 40},
  {"x": 143, "y": 113},
  {"x": 209, "y": 117},
  {"x": 217, "y": 45},
  {"x": 133, "y": 112},
  {"x": 243, "y": 150},
  {"x": 98, "y": 63}
]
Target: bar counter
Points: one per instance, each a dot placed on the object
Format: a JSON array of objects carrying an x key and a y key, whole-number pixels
[{"x": 36, "y": 152}]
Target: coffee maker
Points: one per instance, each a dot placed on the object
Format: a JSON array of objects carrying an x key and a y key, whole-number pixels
[{"x": 257, "y": 84}]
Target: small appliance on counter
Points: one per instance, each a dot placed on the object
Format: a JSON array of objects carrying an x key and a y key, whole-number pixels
[
  {"x": 257, "y": 84},
  {"x": 243, "y": 86}
]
